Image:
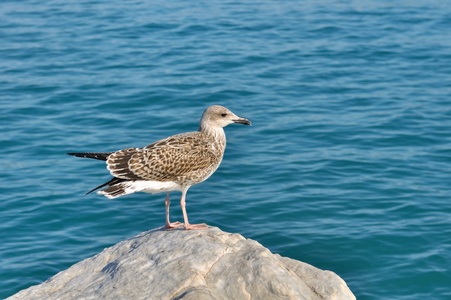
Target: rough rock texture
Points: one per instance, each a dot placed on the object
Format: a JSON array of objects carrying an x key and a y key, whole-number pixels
[{"x": 190, "y": 265}]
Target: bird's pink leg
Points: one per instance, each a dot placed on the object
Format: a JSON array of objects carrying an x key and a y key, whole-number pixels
[
  {"x": 189, "y": 226},
  {"x": 167, "y": 203}
]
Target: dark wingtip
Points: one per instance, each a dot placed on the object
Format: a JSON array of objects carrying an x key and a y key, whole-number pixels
[
  {"x": 111, "y": 182},
  {"x": 93, "y": 155},
  {"x": 91, "y": 191}
]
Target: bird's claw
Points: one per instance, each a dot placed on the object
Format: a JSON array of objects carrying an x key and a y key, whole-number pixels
[
  {"x": 173, "y": 225},
  {"x": 196, "y": 226}
]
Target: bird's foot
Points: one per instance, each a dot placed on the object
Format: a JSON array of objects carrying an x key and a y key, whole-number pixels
[
  {"x": 173, "y": 225},
  {"x": 196, "y": 226}
]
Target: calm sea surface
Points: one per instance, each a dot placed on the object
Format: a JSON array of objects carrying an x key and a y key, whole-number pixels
[{"x": 347, "y": 165}]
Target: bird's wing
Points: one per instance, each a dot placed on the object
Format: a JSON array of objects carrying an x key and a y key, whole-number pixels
[{"x": 165, "y": 160}]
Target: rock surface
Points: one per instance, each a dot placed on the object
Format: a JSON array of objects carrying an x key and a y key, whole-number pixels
[{"x": 189, "y": 265}]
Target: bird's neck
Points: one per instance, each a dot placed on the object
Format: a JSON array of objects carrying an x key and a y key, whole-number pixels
[{"x": 217, "y": 133}]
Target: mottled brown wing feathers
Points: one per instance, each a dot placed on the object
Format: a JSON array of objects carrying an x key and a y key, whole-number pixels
[
  {"x": 117, "y": 163},
  {"x": 165, "y": 160}
]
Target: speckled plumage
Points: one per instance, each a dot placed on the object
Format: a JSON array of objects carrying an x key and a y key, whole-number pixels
[
  {"x": 187, "y": 158},
  {"x": 171, "y": 164}
]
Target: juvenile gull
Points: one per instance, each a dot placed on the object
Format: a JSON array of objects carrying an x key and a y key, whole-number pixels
[{"x": 172, "y": 164}]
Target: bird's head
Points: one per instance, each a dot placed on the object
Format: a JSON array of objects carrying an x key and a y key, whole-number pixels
[{"x": 218, "y": 116}]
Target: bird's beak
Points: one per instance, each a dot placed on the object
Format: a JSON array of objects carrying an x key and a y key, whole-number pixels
[{"x": 243, "y": 121}]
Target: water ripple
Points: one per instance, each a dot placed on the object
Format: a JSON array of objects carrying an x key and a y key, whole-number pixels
[{"x": 346, "y": 165}]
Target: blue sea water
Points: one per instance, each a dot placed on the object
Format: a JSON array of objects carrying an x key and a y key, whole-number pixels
[{"x": 347, "y": 165}]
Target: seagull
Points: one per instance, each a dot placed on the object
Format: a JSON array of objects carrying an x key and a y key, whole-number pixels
[{"x": 172, "y": 164}]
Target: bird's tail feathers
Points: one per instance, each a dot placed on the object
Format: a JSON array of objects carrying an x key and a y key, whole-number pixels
[
  {"x": 113, "y": 181},
  {"x": 115, "y": 191},
  {"x": 93, "y": 155}
]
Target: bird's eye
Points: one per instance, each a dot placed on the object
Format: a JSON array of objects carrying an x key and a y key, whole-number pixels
[{"x": 223, "y": 115}]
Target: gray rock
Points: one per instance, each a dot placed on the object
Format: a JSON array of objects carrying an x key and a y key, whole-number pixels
[{"x": 189, "y": 265}]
